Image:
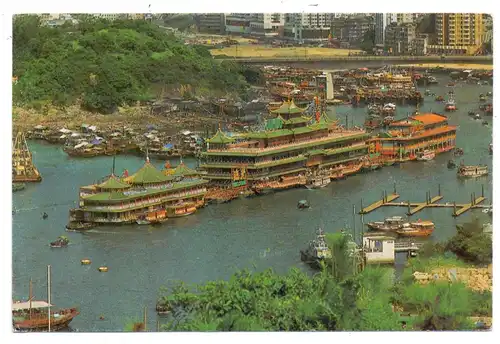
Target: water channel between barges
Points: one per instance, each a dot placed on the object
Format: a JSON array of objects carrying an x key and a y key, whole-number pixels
[{"x": 259, "y": 232}]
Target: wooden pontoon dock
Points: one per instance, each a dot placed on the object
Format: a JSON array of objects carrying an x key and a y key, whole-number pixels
[{"x": 430, "y": 202}]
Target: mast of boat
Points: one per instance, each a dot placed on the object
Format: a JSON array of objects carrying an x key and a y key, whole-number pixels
[
  {"x": 31, "y": 294},
  {"x": 48, "y": 291},
  {"x": 113, "y": 168}
]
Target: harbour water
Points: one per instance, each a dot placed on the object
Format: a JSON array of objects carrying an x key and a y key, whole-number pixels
[{"x": 254, "y": 233}]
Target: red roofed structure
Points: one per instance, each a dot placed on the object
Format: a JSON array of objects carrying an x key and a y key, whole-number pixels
[{"x": 405, "y": 138}]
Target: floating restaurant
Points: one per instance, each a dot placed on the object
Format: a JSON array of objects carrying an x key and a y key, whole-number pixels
[
  {"x": 279, "y": 157},
  {"x": 149, "y": 195},
  {"x": 406, "y": 138}
]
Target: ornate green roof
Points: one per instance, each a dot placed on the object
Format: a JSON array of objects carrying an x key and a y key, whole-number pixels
[
  {"x": 113, "y": 182},
  {"x": 147, "y": 174},
  {"x": 288, "y": 108},
  {"x": 183, "y": 170},
  {"x": 220, "y": 137},
  {"x": 297, "y": 120}
]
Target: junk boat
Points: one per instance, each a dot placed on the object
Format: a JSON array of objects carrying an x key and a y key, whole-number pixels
[
  {"x": 23, "y": 169},
  {"x": 303, "y": 204},
  {"x": 451, "y": 164},
  {"x": 450, "y": 104},
  {"x": 482, "y": 98},
  {"x": 416, "y": 229},
  {"x": 390, "y": 224},
  {"x": 33, "y": 316},
  {"x": 426, "y": 155},
  {"x": 472, "y": 171},
  {"x": 62, "y": 241},
  {"x": 18, "y": 187},
  {"x": 317, "y": 251}
]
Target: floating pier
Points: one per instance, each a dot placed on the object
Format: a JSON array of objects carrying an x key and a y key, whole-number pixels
[
  {"x": 407, "y": 246},
  {"x": 430, "y": 202}
]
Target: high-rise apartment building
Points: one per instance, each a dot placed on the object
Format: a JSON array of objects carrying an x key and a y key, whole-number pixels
[
  {"x": 268, "y": 24},
  {"x": 214, "y": 23},
  {"x": 459, "y": 33},
  {"x": 399, "y": 37},
  {"x": 352, "y": 28},
  {"x": 307, "y": 26},
  {"x": 402, "y": 18},
  {"x": 239, "y": 23},
  {"x": 380, "y": 24}
]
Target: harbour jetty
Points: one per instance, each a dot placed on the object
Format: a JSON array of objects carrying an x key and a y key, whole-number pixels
[{"x": 430, "y": 202}]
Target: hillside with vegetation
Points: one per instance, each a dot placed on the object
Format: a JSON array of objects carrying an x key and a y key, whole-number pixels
[{"x": 101, "y": 65}]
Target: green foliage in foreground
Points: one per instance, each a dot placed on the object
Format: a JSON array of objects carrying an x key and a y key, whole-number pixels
[
  {"x": 104, "y": 64},
  {"x": 339, "y": 298},
  {"x": 472, "y": 244}
]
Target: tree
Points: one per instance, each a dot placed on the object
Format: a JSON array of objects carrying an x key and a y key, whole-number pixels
[
  {"x": 130, "y": 59},
  {"x": 471, "y": 243},
  {"x": 368, "y": 41}
]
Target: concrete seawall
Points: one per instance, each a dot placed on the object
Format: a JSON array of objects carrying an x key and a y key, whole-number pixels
[{"x": 399, "y": 59}]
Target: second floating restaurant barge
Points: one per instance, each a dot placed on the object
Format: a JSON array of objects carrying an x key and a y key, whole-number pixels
[
  {"x": 406, "y": 138},
  {"x": 279, "y": 157},
  {"x": 147, "y": 194}
]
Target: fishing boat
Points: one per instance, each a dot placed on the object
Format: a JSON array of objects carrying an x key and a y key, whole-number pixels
[
  {"x": 450, "y": 104},
  {"x": 416, "y": 229},
  {"x": 482, "y": 98},
  {"x": 37, "y": 316},
  {"x": 318, "y": 182},
  {"x": 388, "y": 120},
  {"x": 61, "y": 241},
  {"x": 303, "y": 204},
  {"x": 489, "y": 94},
  {"x": 472, "y": 171},
  {"x": 390, "y": 224},
  {"x": 18, "y": 187},
  {"x": 477, "y": 117},
  {"x": 426, "y": 155},
  {"x": 317, "y": 251},
  {"x": 427, "y": 92},
  {"x": 451, "y": 164},
  {"x": 389, "y": 109},
  {"x": 484, "y": 122},
  {"x": 458, "y": 152},
  {"x": 80, "y": 226},
  {"x": 23, "y": 169}
]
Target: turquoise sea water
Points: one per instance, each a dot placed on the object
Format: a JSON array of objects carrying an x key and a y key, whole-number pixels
[{"x": 254, "y": 233}]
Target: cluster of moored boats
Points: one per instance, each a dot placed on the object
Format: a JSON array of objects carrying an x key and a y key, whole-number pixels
[{"x": 403, "y": 227}]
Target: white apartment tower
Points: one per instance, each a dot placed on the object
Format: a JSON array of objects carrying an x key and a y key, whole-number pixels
[{"x": 267, "y": 24}]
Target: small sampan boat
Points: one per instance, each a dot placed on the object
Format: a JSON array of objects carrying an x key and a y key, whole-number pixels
[
  {"x": 303, "y": 204},
  {"x": 103, "y": 269},
  {"x": 482, "y": 98},
  {"x": 85, "y": 261}
]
